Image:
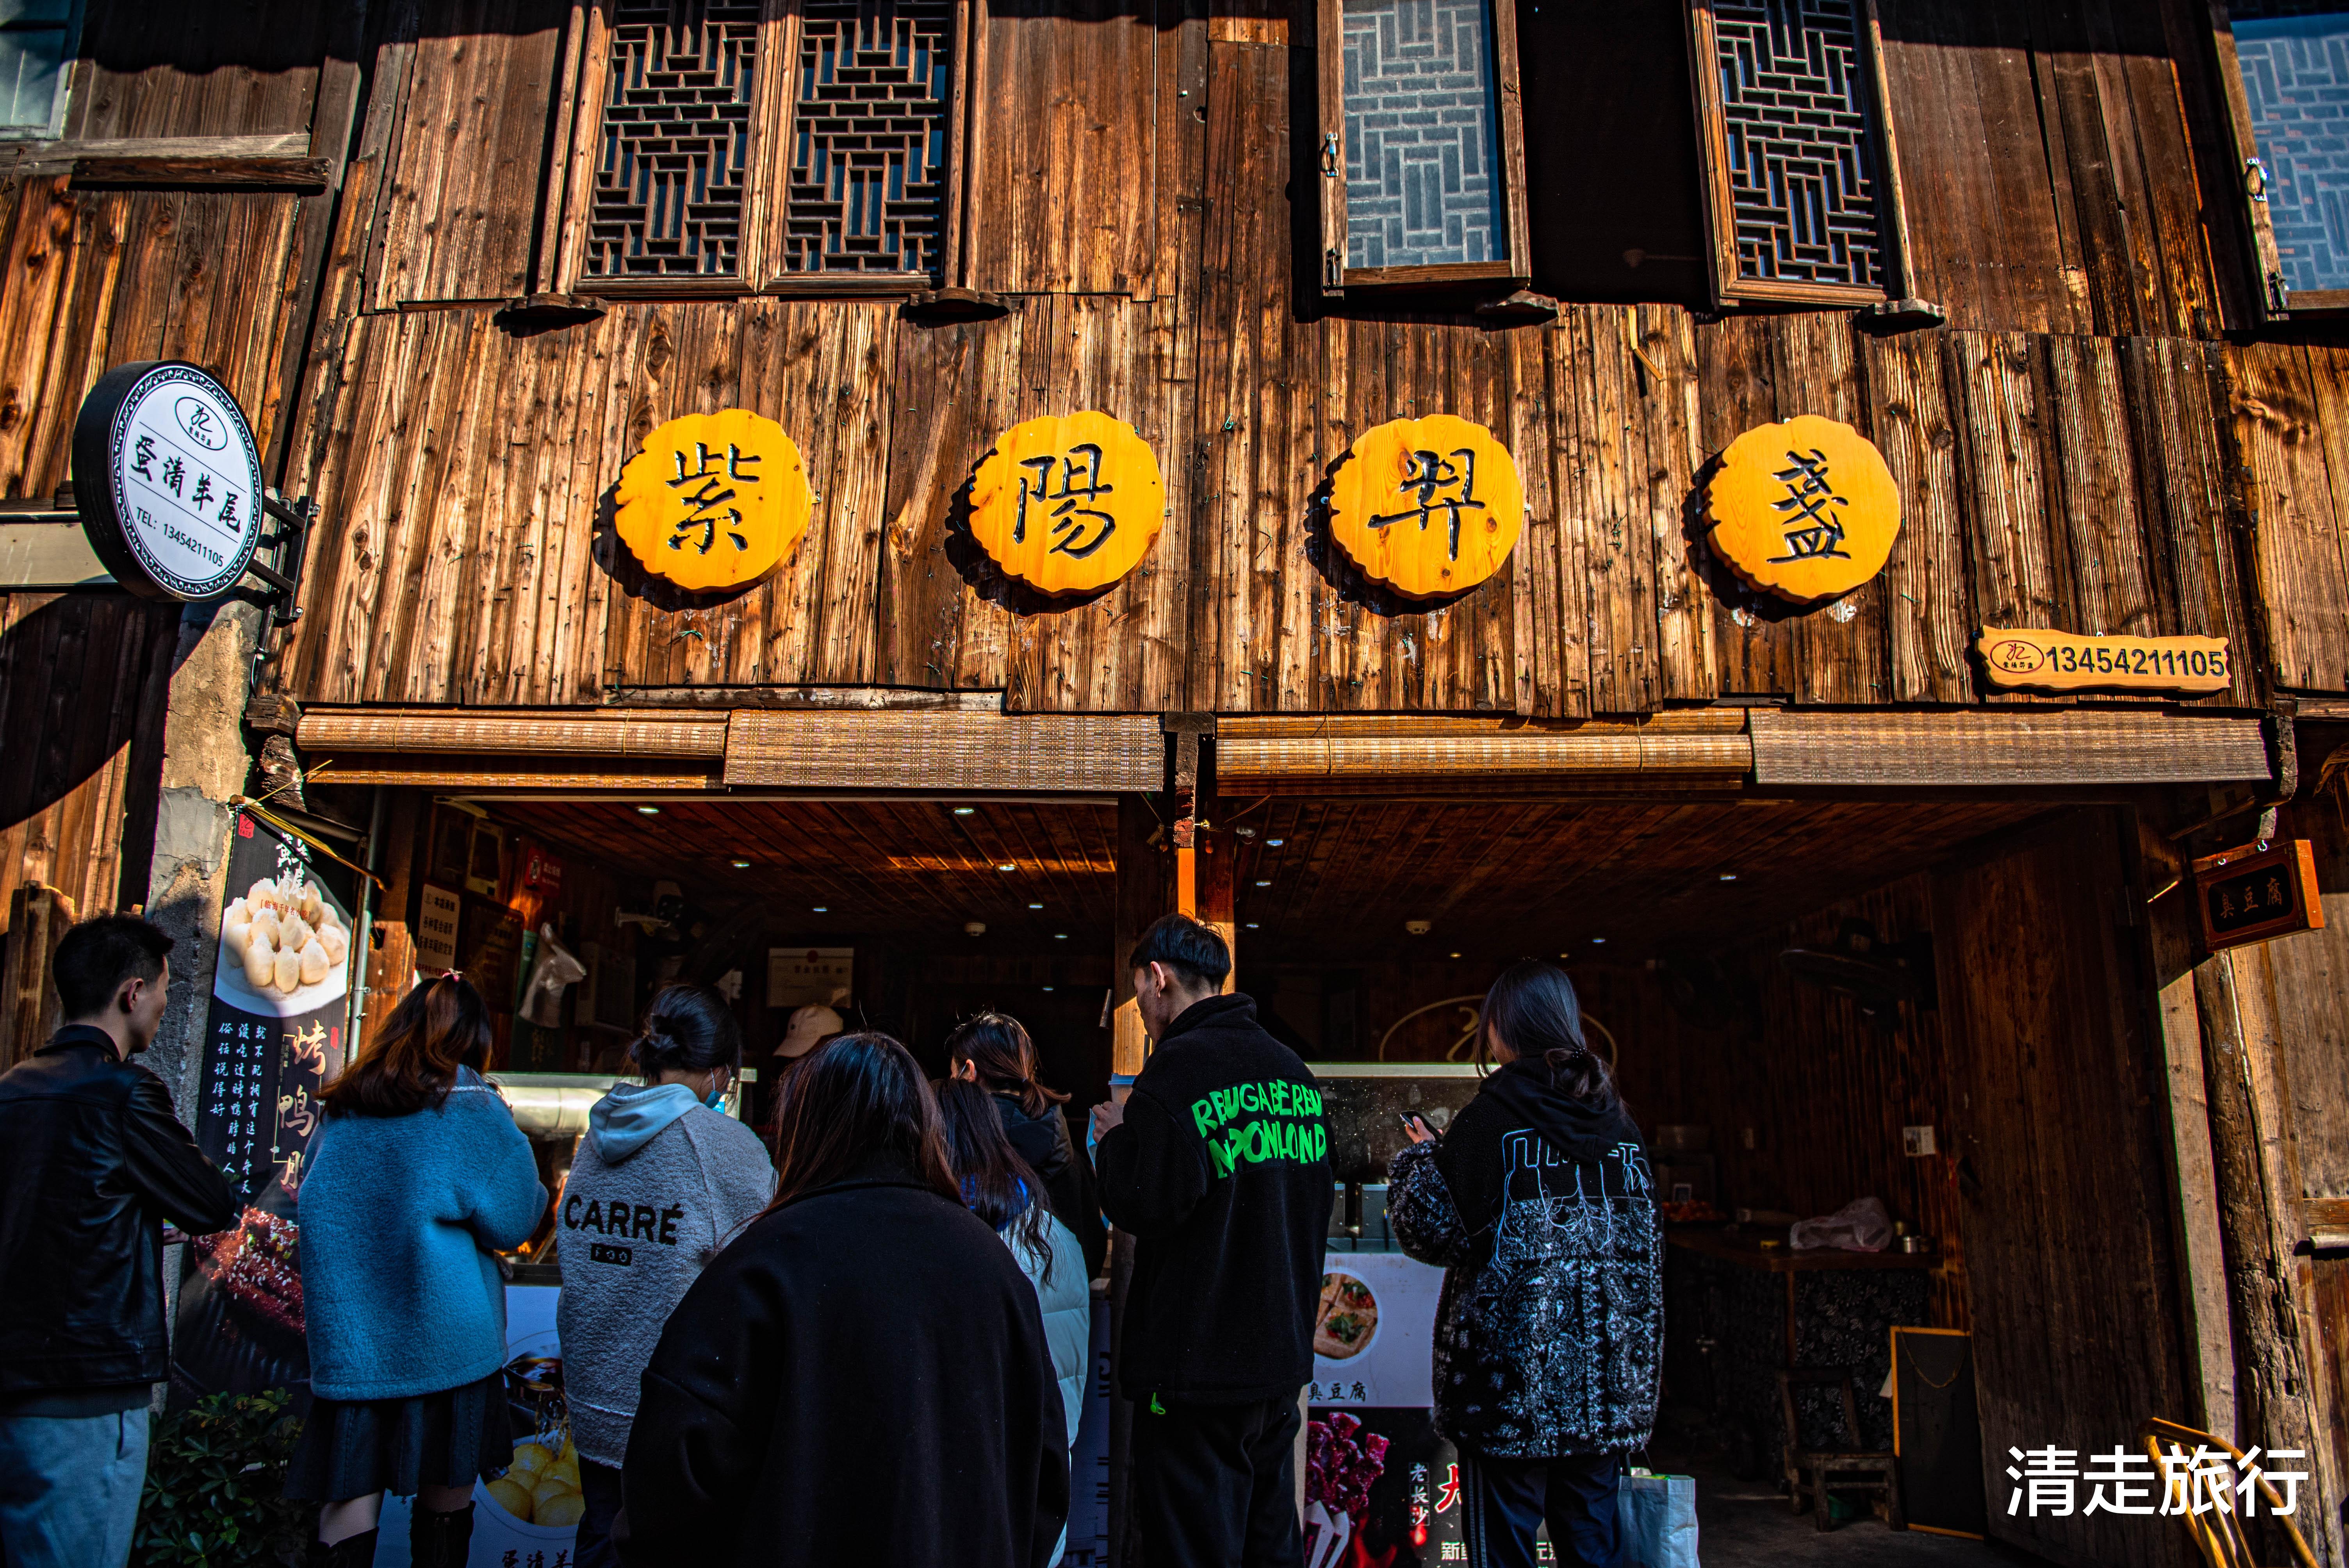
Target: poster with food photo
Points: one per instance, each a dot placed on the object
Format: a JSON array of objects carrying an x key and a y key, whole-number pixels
[{"x": 281, "y": 997}]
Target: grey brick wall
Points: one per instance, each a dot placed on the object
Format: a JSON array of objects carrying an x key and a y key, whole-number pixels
[
  {"x": 2296, "y": 73},
  {"x": 1423, "y": 184}
]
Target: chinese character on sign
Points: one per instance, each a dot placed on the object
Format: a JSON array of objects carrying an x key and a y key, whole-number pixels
[
  {"x": 1073, "y": 534},
  {"x": 1450, "y": 1496},
  {"x": 703, "y": 504},
  {"x": 203, "y": 491},
  {"x": 142, "y": 452},
  {"x": 175, "y": 473},
  {"x": 1430, "y": 474},
  {"x": 1813, "y": 532}
]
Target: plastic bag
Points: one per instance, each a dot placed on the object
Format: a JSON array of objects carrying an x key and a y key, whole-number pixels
[
  {"x": 1861, "y": 1226},
  {"x": 1657, "y": 1516},
  {"x": 554, "y": 972}
]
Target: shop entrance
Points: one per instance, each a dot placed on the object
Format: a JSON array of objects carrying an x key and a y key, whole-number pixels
[{"x": 1940, "y": 1006}]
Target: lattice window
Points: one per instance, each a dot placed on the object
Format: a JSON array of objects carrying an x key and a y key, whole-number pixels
[
  {"x": 671, "y": 172},
  {"x": 2295, "y": 58},
  {"x": 868, "y": 166},
  {"x": 1795, "y": 148}
]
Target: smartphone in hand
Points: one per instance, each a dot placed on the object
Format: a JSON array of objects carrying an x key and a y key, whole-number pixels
[{"x": 1415, "y": 1128}]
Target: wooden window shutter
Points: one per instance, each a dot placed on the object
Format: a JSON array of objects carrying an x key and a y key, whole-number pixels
[
  {"x": 1803, "y": 185},
  {"x": 802, "y": 147},
  {"x": 1413, "y": 191},
  {"x": 2281, "y": 94},
  {"x": 37, "y": 43}
]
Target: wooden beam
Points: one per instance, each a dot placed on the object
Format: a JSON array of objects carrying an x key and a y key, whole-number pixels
[
  {"x": 304, "y": 174},
  {"x": 2202, "y": 1286}
]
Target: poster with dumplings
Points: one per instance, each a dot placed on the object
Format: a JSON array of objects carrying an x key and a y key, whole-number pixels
[{"x": 280, "y": 1007}]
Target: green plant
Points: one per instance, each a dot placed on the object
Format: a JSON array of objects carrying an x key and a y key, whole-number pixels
[{"x": 216, "y": 1482}]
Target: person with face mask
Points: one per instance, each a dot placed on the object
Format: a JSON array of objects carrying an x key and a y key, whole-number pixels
[{"x": 662, "y": 1181}]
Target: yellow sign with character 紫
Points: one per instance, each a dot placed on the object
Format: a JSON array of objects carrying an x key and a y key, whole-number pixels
[
  {"x": 1430, "y": 508},
  {"x": 1068, "y": 505},
  {"x": 1804, "y": 508},
  {"x": 2046, "y": 660},
  {"x": 714, "y": 502}
]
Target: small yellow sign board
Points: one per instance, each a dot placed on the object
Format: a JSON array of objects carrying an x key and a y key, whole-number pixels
[
  {"x": 1068, "y": 505},
  {"x": 713, "y": 501},
  {"x": 1804, "y": 508},
  {"x": 1430, "y": 508},
  {"x": 2044, "y": 660}
]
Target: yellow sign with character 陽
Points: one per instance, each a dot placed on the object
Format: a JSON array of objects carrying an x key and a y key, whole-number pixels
[
  {"x": 1430, "y": 508},
  {"x": 2046, "y": 660},
  {"x": 714, "y": 502},
  {"x": 1068, "y": 504},
  {"x": 1804, "y": 508}
]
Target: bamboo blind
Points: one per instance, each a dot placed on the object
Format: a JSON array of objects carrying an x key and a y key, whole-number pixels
[
  {"x": 2014, "y": 747},
  {"x": 1698, "y": 747},
  {"x": 800, "y": 749}
]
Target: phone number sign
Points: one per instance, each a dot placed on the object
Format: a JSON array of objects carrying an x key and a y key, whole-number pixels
[
  {"x": 2044, "y": 660},
  {"x": 168, "y": 481}
]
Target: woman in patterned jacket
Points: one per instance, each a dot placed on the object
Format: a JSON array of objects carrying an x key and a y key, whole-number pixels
[{"x": 1537, "y": 1204}]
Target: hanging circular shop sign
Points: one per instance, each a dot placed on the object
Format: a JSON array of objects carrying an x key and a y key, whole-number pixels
[
  {"x": 1068, "y": 505},
  {"x": 168, "y": 480},
  {"x": 1428, "y": 507},
  {"x": 713, "y": 502},
  {"x": 1804, "y": 508}
]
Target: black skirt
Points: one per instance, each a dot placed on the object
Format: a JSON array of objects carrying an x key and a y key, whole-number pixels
[{"x": 358, "y": 1448}]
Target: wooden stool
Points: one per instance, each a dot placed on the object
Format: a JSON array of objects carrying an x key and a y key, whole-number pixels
[{"x": 1813, "y": 1470}]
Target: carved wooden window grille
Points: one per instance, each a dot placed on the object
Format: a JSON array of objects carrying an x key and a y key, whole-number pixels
[
  {"x": 1803, "y": 204},
  {"x": 2285, "y": 70},
  {"x": 791, "y": 146},
  {"x": 868, "y": 175},
  {"x": 674, "y": 160},
  {"x": 1420, "y": 151}
]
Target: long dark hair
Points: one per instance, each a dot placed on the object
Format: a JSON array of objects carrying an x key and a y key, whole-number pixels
[
  {"x": 999, "y": 1047},
  {"x": 690, "y": 1029},
  {"x": 997, "y": 1184},
  {"x": 851, "y": 1098},
  {"x": 411, "y": 1066},
  {"x": 1533, "y": 1010}
]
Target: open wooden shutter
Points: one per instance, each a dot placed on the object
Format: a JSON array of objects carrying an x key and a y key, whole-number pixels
[
  {"x": 1411, "y": 195},
  {"x": 2289, "y": 144},
  {"x": 1803, "y": 183}
]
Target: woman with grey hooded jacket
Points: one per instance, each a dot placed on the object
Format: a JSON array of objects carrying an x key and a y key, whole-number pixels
[{"x": 660, "y": 1183}]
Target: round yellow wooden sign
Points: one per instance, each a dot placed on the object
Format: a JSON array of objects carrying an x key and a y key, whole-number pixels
[
  {"x": 1068, "y": 505},
  {"x": 1428, "y": 507},
  {"x": 714, "y": 501},
  {"x": 1804, "y": 508}
]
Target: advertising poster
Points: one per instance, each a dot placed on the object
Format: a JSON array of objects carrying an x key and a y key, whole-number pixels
[{"x": 280, "y": 999}]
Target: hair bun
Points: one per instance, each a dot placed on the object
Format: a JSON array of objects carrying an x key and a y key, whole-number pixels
[{"x": 655, "y": 1045}]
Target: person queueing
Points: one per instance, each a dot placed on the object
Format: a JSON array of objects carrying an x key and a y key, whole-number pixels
[
  {"x": 663, "y": 1180},
  {"x": 861, "y": 1376},
  {"x": 1537, "y": 1204},
  {"x": 92, "y": 1162},
  {"x": 993, "y": 1050},
  {"x": 1219, "y": 1165},
  {"x": 418, "y": 1178},
  {"x": 1000, "y": 1188}
]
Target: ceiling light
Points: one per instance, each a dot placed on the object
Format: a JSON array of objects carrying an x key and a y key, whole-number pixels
[
  {"x": 1274, "y": 844},
  {"x": 648, "y": 811},
  {"x": 742, "y": 865},
  {"x": 1048, "y": 987},
  {"x": 1600, "y": 939},
  {"x": 974, "y": 928},
  {"x": 1060, "y": 936},
  {"x": 1245, "y": 833},
  {"x": 1262, "y": 881},
  {"x": 1035, "y": 906},
  {"x": 1729, "y": 876},
  {"x": 964, "y": 811},
  {"x": 1455, "y": 955},
  {"x": 1251, "y": 925},
  {"x": 822, "y": 909},
  {"x": 1006, "y": 866}
]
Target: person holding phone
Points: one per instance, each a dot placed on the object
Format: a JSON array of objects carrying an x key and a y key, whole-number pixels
[{"x": 1538, "y": 1205}]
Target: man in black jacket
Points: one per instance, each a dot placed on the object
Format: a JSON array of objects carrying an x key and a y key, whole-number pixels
[
  {"x": 92, "y": 1161},
  {"x": 1219, "y": 1165}
]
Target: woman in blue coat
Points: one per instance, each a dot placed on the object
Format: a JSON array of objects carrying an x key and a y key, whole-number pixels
[{"x": 418, "y": 1178}]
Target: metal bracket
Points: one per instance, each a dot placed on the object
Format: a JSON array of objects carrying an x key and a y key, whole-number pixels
[
  {"x": 2255, "y": 178},
  {"x": 289, "y": 546},
  {"x": 1332, "y": 159}
]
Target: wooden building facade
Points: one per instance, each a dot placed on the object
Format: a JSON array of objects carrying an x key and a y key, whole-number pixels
[{"x": 2055, "y": 259}]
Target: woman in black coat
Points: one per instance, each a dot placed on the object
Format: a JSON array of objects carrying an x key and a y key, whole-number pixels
[
  {"x": 1538, "y": 1205},
  {"x": 861, "y": 1376},
  {"x": 994, "y": 1051}
]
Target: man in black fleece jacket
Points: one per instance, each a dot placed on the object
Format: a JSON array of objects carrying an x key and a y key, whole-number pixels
[{"x": 1219, "y": 1165}]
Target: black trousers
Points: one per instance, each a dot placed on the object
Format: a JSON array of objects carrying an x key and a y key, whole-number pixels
[
  {"x": 1215, "y": 1486},
  {"x": 1507, "y": 1500},
  {"x": 599, "y": 1485}
]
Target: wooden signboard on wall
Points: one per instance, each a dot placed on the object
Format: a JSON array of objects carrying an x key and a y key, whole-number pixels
[{"x": 2257, "y": 893}]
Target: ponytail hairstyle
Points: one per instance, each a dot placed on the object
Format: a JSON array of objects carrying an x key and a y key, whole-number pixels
[
  {"x": 997, "y": 1184},
  {"x": 690, "y": 1029},
  {"x": 439, "y": 1026},
  {"x": 1533, "y": 1009},
  {"x": 1005, "y": 1057},
  {"x": 851, "y": 1098}
]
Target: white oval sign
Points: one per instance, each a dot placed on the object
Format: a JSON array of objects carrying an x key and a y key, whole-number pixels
[{"x": 169, "y": 479}]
